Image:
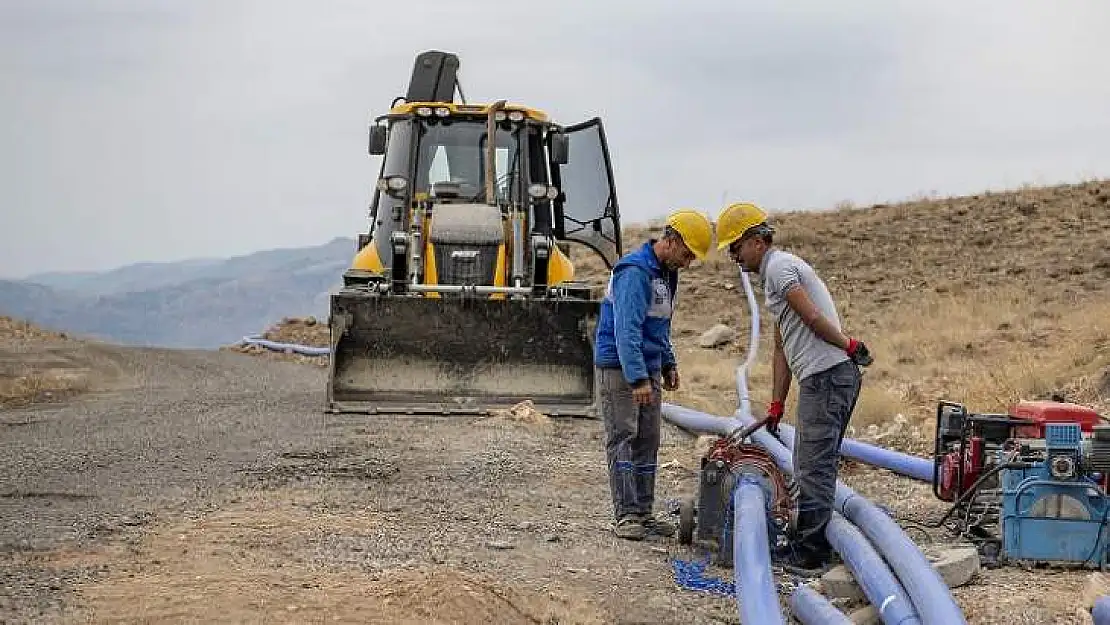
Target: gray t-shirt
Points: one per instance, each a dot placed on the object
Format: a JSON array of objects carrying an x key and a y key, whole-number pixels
[{"x": 806, "y": 352}]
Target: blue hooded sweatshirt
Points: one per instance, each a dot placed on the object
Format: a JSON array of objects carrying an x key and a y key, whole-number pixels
[{"x": 634, "y": 328}]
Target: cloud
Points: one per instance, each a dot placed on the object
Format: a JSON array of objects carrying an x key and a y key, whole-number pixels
[{"x": 156, "y": 131}]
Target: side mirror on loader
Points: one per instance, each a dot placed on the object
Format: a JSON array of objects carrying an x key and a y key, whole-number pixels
[
  {"x": 377, "y": 140},
  {"x": 560, "y": 148}
]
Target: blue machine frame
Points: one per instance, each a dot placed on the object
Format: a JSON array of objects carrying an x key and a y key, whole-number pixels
[{"x": 1030, "y": 534}]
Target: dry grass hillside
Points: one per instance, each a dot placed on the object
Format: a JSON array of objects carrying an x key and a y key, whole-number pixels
[
  {"x": 29, "y": 371},
  {"x": 983, "y": 299}
]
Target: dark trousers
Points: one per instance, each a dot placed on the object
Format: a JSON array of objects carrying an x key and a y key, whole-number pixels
[
  {"x": 631, "y": 442},
  {"x": 825, "y": 406}
]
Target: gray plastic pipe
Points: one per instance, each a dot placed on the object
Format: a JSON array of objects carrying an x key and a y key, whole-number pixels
[
  {"x": 756, "y": 593},
  {"x": 812, "y": 608}
]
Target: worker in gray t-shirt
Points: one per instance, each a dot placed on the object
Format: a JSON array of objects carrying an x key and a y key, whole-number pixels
[{"x": 810, "y": 346}]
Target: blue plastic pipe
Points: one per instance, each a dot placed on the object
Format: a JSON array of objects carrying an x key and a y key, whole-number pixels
[
  {"x": 812, "y": 608},
  {"x": 699, "y": 422},
  {"x": 930, "y": 595},
  {"x": 879, "y": 584},
  {"x": 1101, "y": 610},
  {"x": 903, "y": 464},
  {"x": 756, "y": 593},
  {"x": 304, "y": 350}
]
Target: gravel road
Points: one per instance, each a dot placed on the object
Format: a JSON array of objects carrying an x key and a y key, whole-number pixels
[
  {"x": 222, "y": 467},
  {"x": 173, "y": 432},
  {"x": 185, "y": 425}
]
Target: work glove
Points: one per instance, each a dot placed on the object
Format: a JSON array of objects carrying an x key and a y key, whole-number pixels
[
  {"x": 774, "y": 414},
  {"x": 859, "y": 353},
  {"x": 670, "y": 378}
]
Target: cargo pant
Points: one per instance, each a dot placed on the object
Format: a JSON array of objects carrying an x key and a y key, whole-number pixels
[
  {"x": 825, "y": 406},
  {"x": 631, "y": 442}
]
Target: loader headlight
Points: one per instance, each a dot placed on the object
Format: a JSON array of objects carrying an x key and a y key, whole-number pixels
[
  {"x": 442, "y": 111},
  {"x": 499, "y": 116},
  {"x": 393, "y": 185},
  {"x": 516, "y": 116},
  {"x": 424, "y": 111},
  {"x": 539, "y": 191}
]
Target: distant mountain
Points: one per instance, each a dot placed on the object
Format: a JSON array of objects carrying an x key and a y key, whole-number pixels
[
  {"x": 196, "y": 303},
  {"x": 137, "y": 277}
]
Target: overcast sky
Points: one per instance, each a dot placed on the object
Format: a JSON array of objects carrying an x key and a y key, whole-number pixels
[{"x": 219, "y": 127}]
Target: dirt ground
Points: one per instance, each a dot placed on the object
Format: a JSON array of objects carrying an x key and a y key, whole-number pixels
[
  {"x": 193, "y": 486},
  {"x": 246, "y": 504}
]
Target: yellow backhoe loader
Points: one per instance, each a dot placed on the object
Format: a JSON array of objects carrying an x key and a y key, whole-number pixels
[{"x": 462, "y": 296}]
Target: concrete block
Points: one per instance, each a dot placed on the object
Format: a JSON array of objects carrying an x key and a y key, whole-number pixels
[
  {"x": 866, "y": 616},
  {"x": 956, "y": 566}
]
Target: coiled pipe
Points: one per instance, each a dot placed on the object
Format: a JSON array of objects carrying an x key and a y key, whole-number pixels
[
  {"x": 756, "y": 592},
  {"x": 304, "y": 350},
  {"x": 901, "y": 463},
  {"x": 812, "y": 608}
]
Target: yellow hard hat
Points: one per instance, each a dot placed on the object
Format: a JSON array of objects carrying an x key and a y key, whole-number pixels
[
  {"x": 695, "y": 228},
  {"x": 735, "y": 220}
]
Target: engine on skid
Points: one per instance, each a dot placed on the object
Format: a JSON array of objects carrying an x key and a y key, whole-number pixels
[
  {"x": 1029, "y": 485},
  {"x": 706, "y": 519}
]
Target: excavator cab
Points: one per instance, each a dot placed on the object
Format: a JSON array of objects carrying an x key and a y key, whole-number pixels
[{"x": 460, "y": 297}]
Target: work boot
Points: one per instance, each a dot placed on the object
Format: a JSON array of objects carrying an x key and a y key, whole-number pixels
[
  {"x": 802, "y": 563},
  {"x": 660, "y": 527},
  {"x": 630, "y": 527}
]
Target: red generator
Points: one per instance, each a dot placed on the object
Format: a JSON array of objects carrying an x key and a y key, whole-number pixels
[
  {"x": 966, "y": 445},
  {"x": 1027, "y": 486}
]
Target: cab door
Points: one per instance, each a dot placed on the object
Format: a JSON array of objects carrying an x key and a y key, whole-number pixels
[{"x": 586, "y": 207}]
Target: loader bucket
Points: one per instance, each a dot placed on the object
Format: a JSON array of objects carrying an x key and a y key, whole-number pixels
[{"x": 400, "y": 354}]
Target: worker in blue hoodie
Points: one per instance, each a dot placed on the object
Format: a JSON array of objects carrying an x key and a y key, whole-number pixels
[{"x": 634, "y": 361}]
